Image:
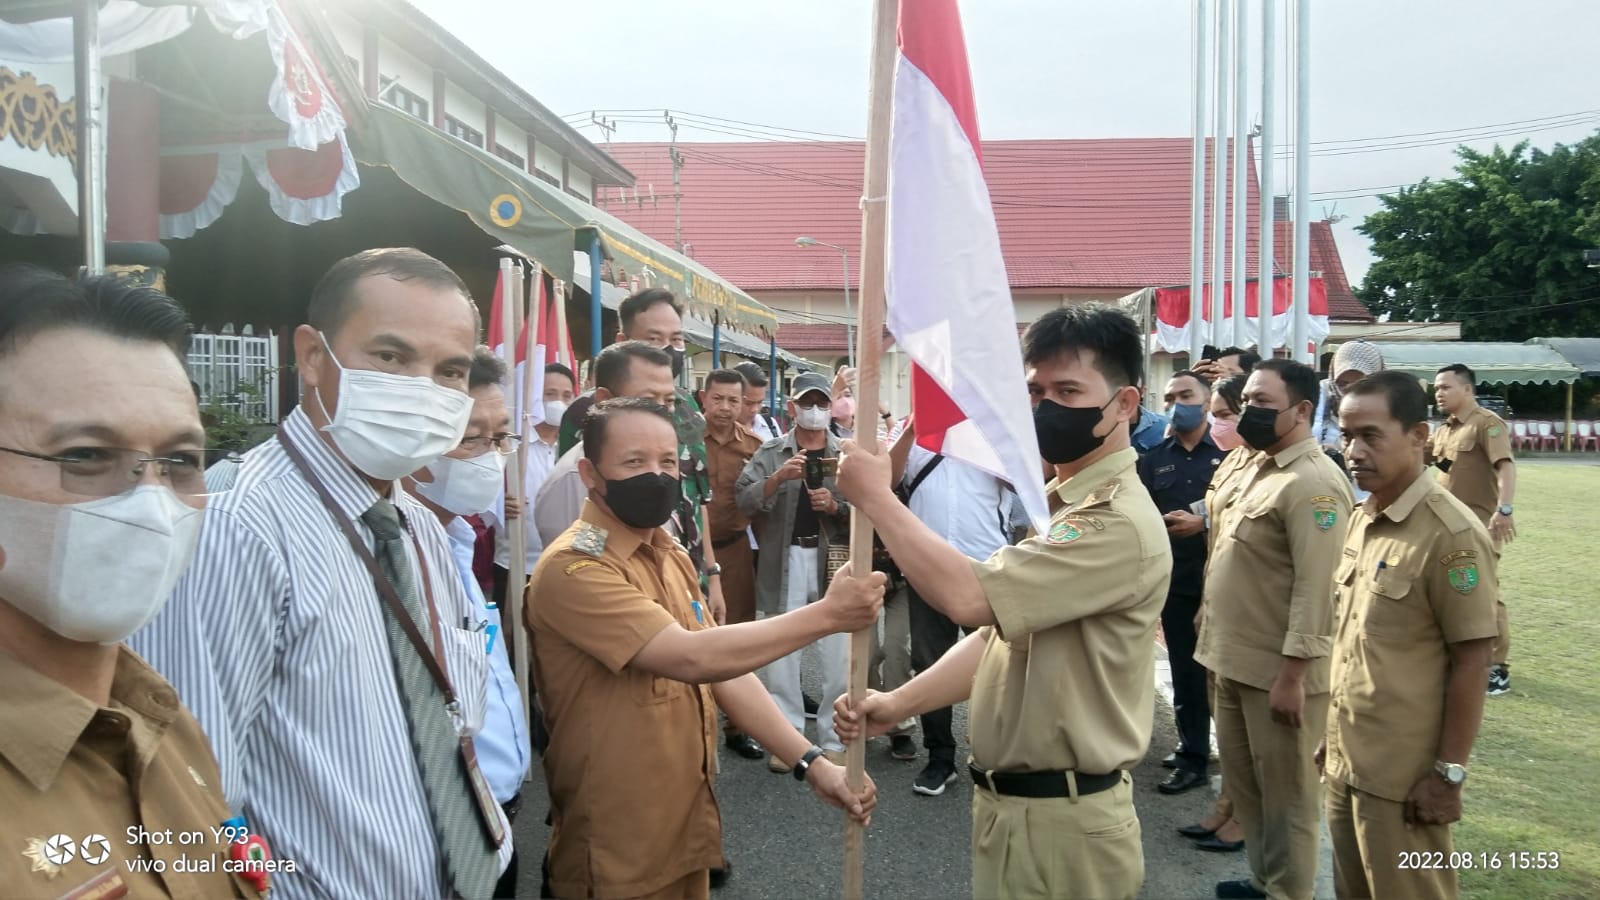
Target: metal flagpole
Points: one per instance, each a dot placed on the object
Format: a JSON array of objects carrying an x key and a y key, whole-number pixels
[
  {"x": 1219, "y": 173},
  {"x": 1197, "y": 186},
  {"x": 523, "y": 425},
  {"x": 1301, "y": 307},
  {"x": 91, "y": 136},
  {"x": 595, "y": 315},
  {"x": 1269, "y": 133},
  {"x": 516, "y": 528},
  {"x": 869, "y": 354},
  {"x": 1241, "y": 101}
]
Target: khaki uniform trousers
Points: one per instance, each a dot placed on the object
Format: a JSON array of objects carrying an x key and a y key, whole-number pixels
[
  {"x": 1224, "y": 805},
  {"x": 694, "y": 886},
  {"x": 1085, "y": 847},
  {"x": 1272, "y": 777},
  {"x": 1370, "y": 835}
]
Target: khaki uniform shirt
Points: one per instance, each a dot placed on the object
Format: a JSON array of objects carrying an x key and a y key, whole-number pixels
[
  {"x": 1414, "y": 579},
  {"x": 726, "y": 461},
  {"x": 1269, "y": 580},
  {"x": 1474, "y": 443},
  {"x": 1067, "y": 679},
  {"x": 1224, "y": 489},
  {"x": 125, "y": 784},
  {"x": 631, "y": 754}
]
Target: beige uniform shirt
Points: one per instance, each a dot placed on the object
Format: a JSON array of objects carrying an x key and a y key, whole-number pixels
[
  {"x": 1067, "y": 679},
  {"x": 97, "y": 797},
  {"x": 1413, "y": 579},
  {"x": 1473, "y": 443},
  {"x": 1224, "y": 489},
  {"x": 1269, "y": 579},
  {"x": 631, "y": 754}
]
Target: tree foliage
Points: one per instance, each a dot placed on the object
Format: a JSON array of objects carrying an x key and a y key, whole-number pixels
[{"x": 1498, "y": 248}]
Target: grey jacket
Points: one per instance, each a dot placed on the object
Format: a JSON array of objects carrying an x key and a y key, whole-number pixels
[{"x": 774, "y": 518}]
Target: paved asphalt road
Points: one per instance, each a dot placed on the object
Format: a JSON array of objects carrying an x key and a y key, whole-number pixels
[{"x": 786, "y": 844}]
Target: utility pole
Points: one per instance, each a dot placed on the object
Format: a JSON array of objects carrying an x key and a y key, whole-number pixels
[
  {"x": 606, "y": 125},
  {"x": 677, "y": 190}
]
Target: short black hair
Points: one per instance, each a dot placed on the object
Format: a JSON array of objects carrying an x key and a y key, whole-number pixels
[
  {"x": 487, "y": 369},
  {"x": 754, "y": 375},
  {"x": 1302, "y": 381},
  {"x": 333, "y": 297},
  {"x": 559, "y": 369},
  {"x": 725, "y": 376},
  {"x": 1232, "y": 391},
  {"x": 1462, "y": 372},
  {"x": 35, "y": 300},
  {"x": 1190, "y": 373},
  {"x": 1109, "y": 332},
  {"x": 643, "y": 300},
  {"x": 1408, "y": 403},
  {"x": 596, "y": 423},
  {"x": 612, "y": 366},
  {"x": 1248, "y": 359}
]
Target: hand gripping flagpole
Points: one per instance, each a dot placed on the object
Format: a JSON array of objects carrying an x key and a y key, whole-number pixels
[{"x": 869, "y": 355}]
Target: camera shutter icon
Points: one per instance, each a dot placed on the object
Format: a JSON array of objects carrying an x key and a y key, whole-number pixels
[
  {"x": 59, "y": 850},
  {"x": 94, "y": 849}
]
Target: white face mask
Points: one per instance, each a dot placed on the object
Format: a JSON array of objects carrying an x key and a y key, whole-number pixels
[
  {"x": 813, "y": 418},
  {"x": 389, "y": 426},
  {"x": 465, "y": 487},
  {"x": 96, "y": 571},
  {"x": 553, "y": 411}
]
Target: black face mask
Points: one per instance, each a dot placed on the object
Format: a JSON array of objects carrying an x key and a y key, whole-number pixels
[
  {"x": 1258, "y": 426},
  {"x": 1066, "y": 433},
  {"x": 643, "y": 501}
]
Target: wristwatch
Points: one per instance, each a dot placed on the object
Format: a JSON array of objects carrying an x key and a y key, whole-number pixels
[
  {"x": 714, "y": 571},
  {"x": 805, "y": 762},
  {"x": 1452, "y": 773},
  {"x": 1505, "y": 510}
]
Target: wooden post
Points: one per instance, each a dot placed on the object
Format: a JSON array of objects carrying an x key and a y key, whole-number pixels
[
  {"x": 869, "y": 355},
  {"x": 558, "y": 296},
  {"x": 1568, "y": 437},
  {"x": 516, "y": 529}
]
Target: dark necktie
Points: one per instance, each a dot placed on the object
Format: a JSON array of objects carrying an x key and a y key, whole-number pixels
[{"x": 467, "y": 855}]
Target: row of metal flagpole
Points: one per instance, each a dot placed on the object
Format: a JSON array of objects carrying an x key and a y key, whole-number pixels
[{"x": 1220, "y": 76}]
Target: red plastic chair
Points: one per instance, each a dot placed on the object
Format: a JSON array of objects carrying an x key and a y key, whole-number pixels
[
  {"x": 1547, "y": 436},
  {"x": 1586, "y": 438},
  {"x": 1520, "y": 439}
]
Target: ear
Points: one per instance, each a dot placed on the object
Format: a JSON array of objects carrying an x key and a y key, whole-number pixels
[
  {"x": 1128, "y": 399},
  {"x": 602, "y": 394},
  {"x": 309, "y": 355},
  {"x": 1419, "y": 434},
  {"x": 591, "y": 477},
  {"x": 620, "y": 338}
]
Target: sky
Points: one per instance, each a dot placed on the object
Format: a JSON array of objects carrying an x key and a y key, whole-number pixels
[{"x": 1395, "y": 86}]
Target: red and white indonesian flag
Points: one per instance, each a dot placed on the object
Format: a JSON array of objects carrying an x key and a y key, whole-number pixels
[{"x": 949, "y": 301}]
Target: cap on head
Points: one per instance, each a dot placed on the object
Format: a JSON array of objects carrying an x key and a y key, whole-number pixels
[
  {"x": 808, "y": 382},
  {"x": 1362, "y": 356}
]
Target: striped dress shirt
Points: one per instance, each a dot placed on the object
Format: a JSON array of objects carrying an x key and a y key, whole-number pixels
[{"x": 275, "y": 639}]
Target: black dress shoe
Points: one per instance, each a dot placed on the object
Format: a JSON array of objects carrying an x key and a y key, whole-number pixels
[
  {"x": 1216, "y": 845},
  {"x": 1171, "y": 761},
  {"x": 1182, "y": 780},
  {"x": 1196, "y": 831},
  {"x": 719, "y": 877},
  {"x": 1238, "y": 890},
  {"x": 744, "y": 745}
]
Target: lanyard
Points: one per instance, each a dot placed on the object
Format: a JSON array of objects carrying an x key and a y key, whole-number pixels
[{"x": 385, "y": 587}]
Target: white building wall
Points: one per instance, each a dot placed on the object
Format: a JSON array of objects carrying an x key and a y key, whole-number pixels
[
  {"x": 580, "y": 181},
  {"x": 465, "y": 107},
  {"x": 348, "y": 33},
  {"x": 547, "y": 160},
  {"x": 414, "y": 76}
]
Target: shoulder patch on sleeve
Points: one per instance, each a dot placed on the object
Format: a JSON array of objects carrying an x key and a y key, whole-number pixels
[
  {"x": 1070, "y": 529},
  {"x": 580, "y": 564},
  {"x": 1495, "y": 431},
  {"x": 1464, "y": 576}
]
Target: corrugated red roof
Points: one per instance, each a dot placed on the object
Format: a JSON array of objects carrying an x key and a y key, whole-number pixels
[{"x": 1095, "y": 214}]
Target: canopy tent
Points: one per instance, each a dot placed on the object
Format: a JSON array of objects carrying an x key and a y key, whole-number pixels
[
  {"x": 541, "y": 220},
  {"x": 1582, "y": 353},
  {"x": 1492, "y": 363}
]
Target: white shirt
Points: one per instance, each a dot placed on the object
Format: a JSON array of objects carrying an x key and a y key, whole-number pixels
[
  {"x": 561, "y": 497},
  {"x": 961, "y": 503},
  {"x": 276, "y": 641},
  {"x": 540, "y": 460},
  {"x": 762, "y": 430}
]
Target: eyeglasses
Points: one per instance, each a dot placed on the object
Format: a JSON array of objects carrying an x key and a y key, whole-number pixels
[
  {"x": 810, "y": 402},
  {"x": 109, "y": 471},
  {"x": 503, "y": 443}
]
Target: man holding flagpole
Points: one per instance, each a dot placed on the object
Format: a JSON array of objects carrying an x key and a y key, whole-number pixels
[{"x": 1060, "y": 674}]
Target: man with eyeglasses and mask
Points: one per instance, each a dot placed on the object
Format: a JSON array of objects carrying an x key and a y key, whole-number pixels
[
  {"x": 101, "y": 490},
  {"x": 323, "y": 638},
  {"x": 465, "y": 482},
  {"x": 1059, "y": 670},
  {"x": 1266, "y": 630},
  {"x": 627, "y": 657}
]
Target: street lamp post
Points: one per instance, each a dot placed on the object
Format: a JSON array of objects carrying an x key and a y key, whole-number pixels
[{"x": 849, "y": 334}]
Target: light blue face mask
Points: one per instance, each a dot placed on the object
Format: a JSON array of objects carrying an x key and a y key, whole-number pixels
[{"x": 1186, "y": 417}]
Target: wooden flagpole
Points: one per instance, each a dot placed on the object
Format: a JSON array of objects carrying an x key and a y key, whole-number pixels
[
  {"x": 558, "y": 290},
  {"x": 869, "y": 356},
  {"x": 516, "y": 529}
]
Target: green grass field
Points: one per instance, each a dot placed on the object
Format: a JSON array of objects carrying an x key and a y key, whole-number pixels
[{"x": 1535, "y": 776}]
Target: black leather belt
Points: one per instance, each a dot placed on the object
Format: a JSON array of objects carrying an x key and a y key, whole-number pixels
[
  {"x": 1042, "y": 784},
  {"x": 807, "y": 542}
]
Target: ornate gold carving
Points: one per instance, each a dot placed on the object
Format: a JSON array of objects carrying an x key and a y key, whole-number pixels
[{"x": 32, "y": 115}]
